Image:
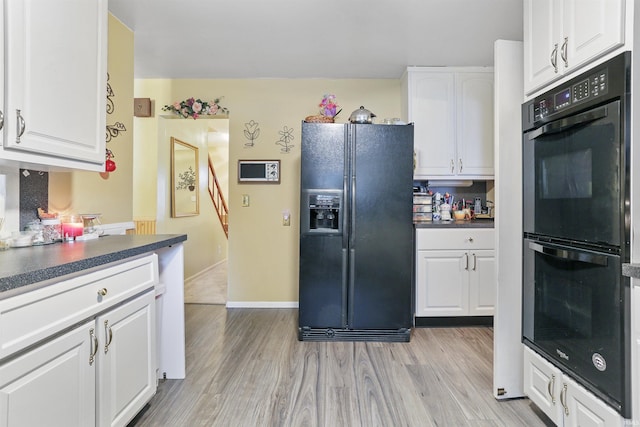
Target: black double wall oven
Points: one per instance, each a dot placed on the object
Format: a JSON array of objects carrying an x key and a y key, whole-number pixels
[{"x": 576, "y": 304}]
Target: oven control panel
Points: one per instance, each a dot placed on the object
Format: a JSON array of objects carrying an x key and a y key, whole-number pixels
[{"x": 595, "y": 85}]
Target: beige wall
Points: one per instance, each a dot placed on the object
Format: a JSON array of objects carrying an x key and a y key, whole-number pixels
[
  {"x": 263, "y": 254},
  {"x": 88, "y": 192}
]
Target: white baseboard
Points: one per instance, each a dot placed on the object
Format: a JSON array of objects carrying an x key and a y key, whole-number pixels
[
  {"x": 205, "y": 271},
  {"x": 262, "y": 304}
]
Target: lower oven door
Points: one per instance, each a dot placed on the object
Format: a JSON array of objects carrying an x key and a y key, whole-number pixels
[{"x": 575, "y": 314}]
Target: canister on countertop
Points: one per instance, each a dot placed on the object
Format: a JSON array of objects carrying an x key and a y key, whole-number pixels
[{"x": 51, "y": 230}]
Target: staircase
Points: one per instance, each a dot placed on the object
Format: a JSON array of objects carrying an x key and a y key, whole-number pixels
[{"x": 218, "y": 199}]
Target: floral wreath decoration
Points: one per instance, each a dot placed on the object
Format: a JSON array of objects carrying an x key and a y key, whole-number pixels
[{"x": 195, "y": 108}]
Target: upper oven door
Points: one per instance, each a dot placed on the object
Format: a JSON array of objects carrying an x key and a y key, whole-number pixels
[{"x": 572, "y": 177}]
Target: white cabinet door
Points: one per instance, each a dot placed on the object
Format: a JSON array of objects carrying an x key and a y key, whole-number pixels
[
  {"x": 432, "y": 109},
  {"x": 542, "y": 383},
  {"x": 591, "y": 29},
  {"x": 2, "y": 100},
  {"x": 542, "y": 30},
  {"x": 563, "y": 400},
  {"x": 126, "y": 377},
  {"x": 56, "y": 82},
  {"x": 560, "y": 36},
  {"x": 482, "y": 283},
  {"x": 474, "y": 124},
  {"x": 584, "y": 409},
  {"x": 51, "y": 385},
  {"x": 442, "y": 283}
]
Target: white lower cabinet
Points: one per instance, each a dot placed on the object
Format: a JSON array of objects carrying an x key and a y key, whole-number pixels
[
  {"x": 51, "y": 385},
  {"x": 100, "y": 373},
  {"x": 455, "y": 272},
  {"x": 126, "y": 360},
  {"x": 563, "y": 400}
]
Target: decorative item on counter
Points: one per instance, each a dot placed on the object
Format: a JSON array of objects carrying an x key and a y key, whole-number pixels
[
  {"x": 72, "y": 227},
  {"x": 362, "y": 116},
  {"x": 91, "y": 224},
  {"x": 42, "y": 214},
  {"x": 328, "y": 110},
  {"x": 195, "y": 108},
  {"x": 51, "y": 230},
  {"x": 37, "y": 234}
]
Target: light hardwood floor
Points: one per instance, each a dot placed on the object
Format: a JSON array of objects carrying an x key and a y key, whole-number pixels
[
  {"x": 209, "y": 287},
  {"x": 245, "y": 367}
]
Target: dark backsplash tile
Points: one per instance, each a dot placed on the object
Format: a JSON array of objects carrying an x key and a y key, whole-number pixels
[{"x": 34, "y": 194}]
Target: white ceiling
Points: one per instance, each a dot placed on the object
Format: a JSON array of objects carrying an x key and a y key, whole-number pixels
[{"x": 312, "y": 39}]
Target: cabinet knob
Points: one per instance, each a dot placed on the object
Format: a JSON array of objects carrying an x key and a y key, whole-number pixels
[
  {"x": 470, "y": 239},
  {"x": 102, "y": 292}
]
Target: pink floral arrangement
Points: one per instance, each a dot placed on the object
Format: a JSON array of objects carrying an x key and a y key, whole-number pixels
[
  {"x": 329, "y": 106},
  {"x": 196, "y": 107}
]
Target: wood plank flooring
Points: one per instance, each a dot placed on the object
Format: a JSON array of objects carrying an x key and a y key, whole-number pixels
[{"x": 245, "y": 367}]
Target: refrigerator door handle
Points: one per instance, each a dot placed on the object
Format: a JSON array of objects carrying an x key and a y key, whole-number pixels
[
  {"x": 345, "y": 279},
  {"x": 352, "y": 277}
]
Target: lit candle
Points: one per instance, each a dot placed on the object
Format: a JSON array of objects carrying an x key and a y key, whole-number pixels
[{"x": 72, "y": 227}]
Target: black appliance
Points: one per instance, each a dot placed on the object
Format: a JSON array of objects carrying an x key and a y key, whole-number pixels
[
  {"x": 356, "y": 232},
  {"x": 576, "y": 303}
]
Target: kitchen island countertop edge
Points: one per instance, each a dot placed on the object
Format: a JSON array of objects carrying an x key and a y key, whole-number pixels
[{"x": 21, "y": 267}]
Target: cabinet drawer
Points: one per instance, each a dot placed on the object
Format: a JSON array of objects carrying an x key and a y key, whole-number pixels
[
  {"x": 30, "y": 317},
  {"x": 447, "y": 238}
]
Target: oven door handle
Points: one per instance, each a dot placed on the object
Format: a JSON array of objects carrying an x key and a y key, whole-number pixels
[
  {"x": 569, "y": 122},
  {"x": 569, "y": 255}
]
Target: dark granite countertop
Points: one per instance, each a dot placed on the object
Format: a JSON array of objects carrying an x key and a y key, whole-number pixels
[
  {"x": 474, "y": 223},
  {"x": 631, "y": 270},
  {"x": 25, "y": 266}
]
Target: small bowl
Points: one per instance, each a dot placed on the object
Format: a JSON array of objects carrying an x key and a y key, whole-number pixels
[{"x": 458, "y": 215}]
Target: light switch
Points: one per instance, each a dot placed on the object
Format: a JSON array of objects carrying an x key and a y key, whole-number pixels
[
  {"x": 286, "y": 218},
  {"x": 245, "y": 200}
]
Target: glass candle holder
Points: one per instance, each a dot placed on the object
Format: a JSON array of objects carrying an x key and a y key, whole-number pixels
[{"x": 72, "y": 227}]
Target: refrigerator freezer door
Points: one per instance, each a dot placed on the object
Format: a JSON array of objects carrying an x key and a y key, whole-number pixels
[
  {"x": 323, "y": 259},
  {"x": 381, "y": 227}
]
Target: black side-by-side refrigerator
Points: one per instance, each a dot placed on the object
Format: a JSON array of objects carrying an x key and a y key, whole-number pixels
[{"x": 356, "y": 232}]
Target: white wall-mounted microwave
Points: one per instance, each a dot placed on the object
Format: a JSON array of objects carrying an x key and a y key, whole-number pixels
[{"x": 266, "y": 171}]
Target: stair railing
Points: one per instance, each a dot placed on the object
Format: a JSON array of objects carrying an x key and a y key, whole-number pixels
[{"x": 217, "y": 197}]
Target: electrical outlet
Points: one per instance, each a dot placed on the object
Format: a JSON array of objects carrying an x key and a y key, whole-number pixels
[
  {"x": 286, "y": 218},
  {"x": 245, "y": 200}
]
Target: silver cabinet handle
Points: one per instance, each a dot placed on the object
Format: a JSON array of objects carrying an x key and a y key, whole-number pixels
[
  {"x": 453, "y": 166},
  {"x": 1, "y": 119},
  {"x": 475, "y": 262},
  {"x": 554, "y": 58},
  {"x": 460, "y": 161},
  {"x": 94, "y": 346},
  {"x": 550, "y": 386},
  {"x": 563, "y": 399},
  {"x": 466, "y": 260},
  {"x": 563, "y": 52},
  {"x": 107, "y": 333},
  {"x": 19, "y": 125}
]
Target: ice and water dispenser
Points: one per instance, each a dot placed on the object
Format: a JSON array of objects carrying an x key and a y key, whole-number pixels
[{"x": 323, "y": 212}]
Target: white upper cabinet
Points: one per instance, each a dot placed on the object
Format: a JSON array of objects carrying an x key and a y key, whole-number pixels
[
  {"x": 452, "y": 111},
  {"x": 560, "y": 36},
  {"x": 55, "y": 60}
]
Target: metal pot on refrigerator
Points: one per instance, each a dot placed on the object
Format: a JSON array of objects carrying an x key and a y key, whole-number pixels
[{"x": 362, "y": 116}]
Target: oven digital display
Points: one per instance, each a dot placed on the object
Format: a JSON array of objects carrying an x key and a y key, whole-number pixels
[{"x": 562, "y": 99}]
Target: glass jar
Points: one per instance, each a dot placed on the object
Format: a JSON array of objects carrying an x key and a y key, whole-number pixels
[
  {"x": 35, "y": 228},
  {"x": 51, "y": 230}
]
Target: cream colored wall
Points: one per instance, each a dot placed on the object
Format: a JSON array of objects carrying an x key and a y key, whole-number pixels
[
  {"x": 88, "y": 192},
  {"x": 263, "y": 255},
  {"x": 206, "y": 243}
]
